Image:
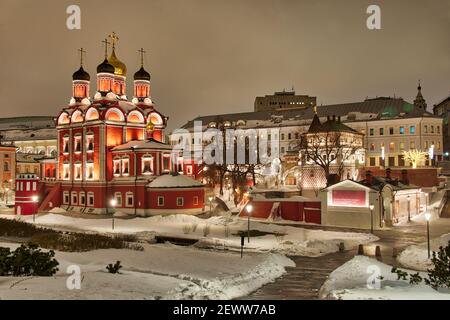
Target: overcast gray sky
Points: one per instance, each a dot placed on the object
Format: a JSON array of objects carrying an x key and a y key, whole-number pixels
[{"x": 215, "y": 56}]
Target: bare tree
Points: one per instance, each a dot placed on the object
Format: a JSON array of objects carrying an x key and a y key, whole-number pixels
[{"x": 330, "y": 149}]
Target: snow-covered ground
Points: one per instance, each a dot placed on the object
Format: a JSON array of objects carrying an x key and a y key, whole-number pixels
[
  {"x": 223, "y": 232},
  {"x": 158, "y": 272},
  {"x": 416, "y": 256},
  {"x": 350, "y": 282}
]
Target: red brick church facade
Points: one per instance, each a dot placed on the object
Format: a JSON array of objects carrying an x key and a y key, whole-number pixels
[{"x": 112, "y": 148}]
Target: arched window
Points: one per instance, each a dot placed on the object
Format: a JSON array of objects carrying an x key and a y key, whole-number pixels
[
  {"x": 92, "y": 114},
  {"x": 155, "y": 118},
  {"x": 63, "y": 118},
  {"x": 135, "y": 117},
  {"x": 114, "y": 114},
  {"x": 77, "y": 116}
]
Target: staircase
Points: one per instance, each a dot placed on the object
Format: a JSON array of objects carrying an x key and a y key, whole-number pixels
[{"x": 52, "y": 197}]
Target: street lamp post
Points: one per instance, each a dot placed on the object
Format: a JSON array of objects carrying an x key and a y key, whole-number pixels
[
  {"x": 249, "y": 212},
  {"x": 409, "y": 208},
  {"x": 229, "y": 192},
  {"x": 428, "y": 217},
  {"x": 371, "y": 207},
  {"x": 35, "y": 201},
  {"x": 6, "y": 197},
  {"x": 210, "y": 204},
  {"x": 113, "y": 205}
]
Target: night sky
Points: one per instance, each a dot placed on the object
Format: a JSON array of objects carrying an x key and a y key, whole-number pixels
[{"x": 210, "y": 56}]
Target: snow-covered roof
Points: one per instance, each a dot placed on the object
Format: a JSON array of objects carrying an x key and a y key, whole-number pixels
[
  {"x": 171, "y": 181},
  {"x": 143, "y": 145}
]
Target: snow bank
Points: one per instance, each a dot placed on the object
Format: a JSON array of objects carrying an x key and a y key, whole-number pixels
[
  {"x": 57, "y": 210},
  {"x": 234, "y": 286},
  {"x": 224, "y": 232},
  {"x": 416, "y": 256},
  {"x": 158, "y": 272},
  {"x": 350, "y": 282}
]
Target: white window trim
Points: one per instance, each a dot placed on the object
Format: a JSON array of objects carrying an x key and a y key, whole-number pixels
[
  {"x": 163, "y": 201},
  {"x": 125, "y": 160},
  {"x": 82, "y": 195},
  {"x": 90, "y": 195},
  {"x": 66, "y": 195},
  {"x": 144, "y": 159},
  {"x": 127, "y": 196},
  {"x": 118, "y": 197},
  {"x": 182, "y": 202},
  {"x": 74, "y": 195},
  {"x": 77, "y": 168}
]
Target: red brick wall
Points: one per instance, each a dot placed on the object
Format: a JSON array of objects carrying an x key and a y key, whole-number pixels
[{"x": 422, "y": 177}]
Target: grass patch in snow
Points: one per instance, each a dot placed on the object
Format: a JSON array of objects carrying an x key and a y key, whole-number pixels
[{"x": 71, "y": 242}]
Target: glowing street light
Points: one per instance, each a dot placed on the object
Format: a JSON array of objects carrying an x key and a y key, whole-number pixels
[
  {"x": 371, "y": 207},
  {"x": 249, "y": 209},
  {"x": 113, "y": 205},
  {"x": 35, "y": 201},
  {"x": 428, "y": 217}
]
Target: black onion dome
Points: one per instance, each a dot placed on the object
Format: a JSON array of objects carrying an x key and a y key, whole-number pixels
[
  {"x": 80, "y": 74},
  {"x": 105, "y": 67},
  {"x": 141, "y": 74}
]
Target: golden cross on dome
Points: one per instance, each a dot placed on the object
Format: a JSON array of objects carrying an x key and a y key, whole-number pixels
[
  {"x": 142, "y": 52},
  {"x": 105, "y": 42},
  {"x": 81, "y": 50},
  {"x": 114, "y": 39}
]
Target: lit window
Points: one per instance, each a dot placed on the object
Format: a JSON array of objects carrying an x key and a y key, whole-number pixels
[
  {"x": 89, "y": 171},
  {"x": 392, "y": 147},
  {"x": 66, "y": 171},
  {"x": 412, "y": 145},
  {"x": 147, "y": 165},
  {"x": 116, "y": 167},
  {"x": 180, "y": 201},
  {"x": 372, "y": 147},
  {"x": 189, "y": 169},
  {"x": 77, "y": 146},
  {"x": 402, "y": 130},
  {"x": 77, "y": 171},
  {"x": 160, "y": 201},
  {"x": 66, "y": 145},
  {"x": 118, "y": 197},
  {"x": 402, "y": 146},
  {"x": 90, "y": 143},
  {"x": 125, "y": 167},
  {"x": 412, "y": 129}
]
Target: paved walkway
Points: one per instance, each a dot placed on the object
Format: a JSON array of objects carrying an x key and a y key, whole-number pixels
[{"x": 304, "y": 281}]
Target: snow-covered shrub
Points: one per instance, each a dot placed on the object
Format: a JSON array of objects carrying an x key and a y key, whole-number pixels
[
  {"x": 186, "y": 228},
  {"x": 27, "y": 260},
  {"x": 114, "y": 268},
  {"x": 438, "y": 277}
]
